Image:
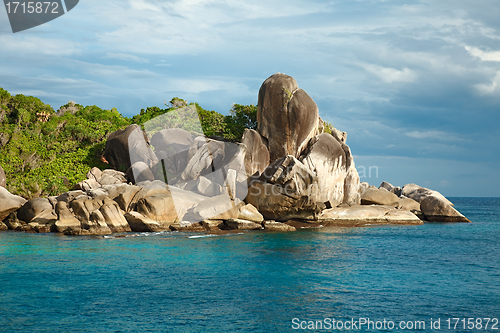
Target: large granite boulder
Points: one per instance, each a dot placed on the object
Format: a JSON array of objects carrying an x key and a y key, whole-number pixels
[
  {"x": 160, "y": 208},
  {"x": 419, "y": 193},
  {"x": 373, "y": 196},
  {"x": 9, "y": 203},
  {"x": 96, "y": 224},
  {"x": 327, "y": 158},
  {"x": 3, "y": 179},
  {"x": 66, "y": 221},
  {"x": 237, "y": 224},
  {"x": 172, "y": 148},
  {"x": 113, "y": 216},
  {"x": 436, "y": 209},
  {"x": 127, "y": 146},
  {"x": 250, "y": 213},
  {"x": 140, "y": 223},
  {"x": 287, "y": 117},
  {"x": 37, "y": 210},
  {"x": 356, "y": 216},
  {"x": 276, "y": 202},
  {"x": 257, "y": 155}
]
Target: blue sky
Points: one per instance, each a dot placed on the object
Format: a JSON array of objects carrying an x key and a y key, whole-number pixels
[{"x": 415, "y": 84}]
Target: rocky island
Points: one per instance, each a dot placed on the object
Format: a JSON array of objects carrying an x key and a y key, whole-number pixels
[{"x": 296, "y": 171}]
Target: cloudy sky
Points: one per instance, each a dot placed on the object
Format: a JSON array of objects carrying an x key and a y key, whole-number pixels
[{"x": 415, "y": 84}]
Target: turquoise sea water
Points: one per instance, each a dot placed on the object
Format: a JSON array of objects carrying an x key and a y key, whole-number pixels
[{"x": 255, "y": 281}]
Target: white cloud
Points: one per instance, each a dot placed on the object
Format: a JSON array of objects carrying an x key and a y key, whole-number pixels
[
  {"x": 492, "y": 87},
  {"x": 435, "y": 135},
  {"x": 125, "y": 57},
  {"x": 485, "y": 56},
  {"x": 391, "y": 75}
]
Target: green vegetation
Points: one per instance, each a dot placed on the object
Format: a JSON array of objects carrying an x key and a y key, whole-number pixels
[{"x": 45, "y": 153}]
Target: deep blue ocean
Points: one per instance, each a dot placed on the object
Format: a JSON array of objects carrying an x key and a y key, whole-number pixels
[{"x": 256, "y": 281}]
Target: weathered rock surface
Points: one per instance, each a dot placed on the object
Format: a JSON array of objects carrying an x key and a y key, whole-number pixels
[
  {"x": 419, "y": 193},
  {"x": 274, "y": 202},
  {"x": 187, "y": 227},
  {"x": 3, "y": 179},
  {"x": 160, "y": 208},
  {"x": 113, "y": 216},
  {"x": 436, "y": 209},
  {"x": 140, "y": 223},
  {"x": 257, "y": 155},
  {"x": 367, "y": 215},
  {"x": 381, "y": 196},
  {"x": 237, "y": 224},
  {"x": 326, "y": 157},
  {"x": 250, "y": 213},
  {"x": 277, "y": 226},
  {"x": 96, "y": 224},
  {"x": 126, "y": 146},
  {"x": 9, "y": 203},
  {"x": 409, "y": 204},
  {"x": 37, "y": 210},
  {"x": 389, "y": 187},
  {"x": 287, "y": 117},
  {"x": 139, "y": 172},
  {"x": 87, "y": 184},
  {"x": 66, "y": 221}
]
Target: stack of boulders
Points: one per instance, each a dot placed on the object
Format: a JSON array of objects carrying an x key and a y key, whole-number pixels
[{"x": 296, "y": 171}]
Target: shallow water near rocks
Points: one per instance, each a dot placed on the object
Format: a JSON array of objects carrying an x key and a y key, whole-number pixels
[{"x": 253, "y": 281}]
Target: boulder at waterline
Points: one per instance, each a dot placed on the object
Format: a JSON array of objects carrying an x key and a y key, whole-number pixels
[
  {"x": 140, "y": 223},
  {"x": 37, "y": 210},
  {"x": 188, "y": 227},
  {"x": 287, "y": 117},
  {"x": 367, "y": 215},
  {"x": 250, "y": 213},
  {"x": 436, "y": 209},
  {"x": 158, "y": 207},
  {"x": 9, "y": 203},
  {"x": 66, "y": 221},
  {"x": 277, "y": 226},
  {"x": 419, "y": 193},
  {"x": 275, "y": 202},
  {"x": 113, "y": 216},
  {"x": 237, "y": 224}
]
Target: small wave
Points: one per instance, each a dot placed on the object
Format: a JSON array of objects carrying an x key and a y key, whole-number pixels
[{"x": 202, "y": 236}]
